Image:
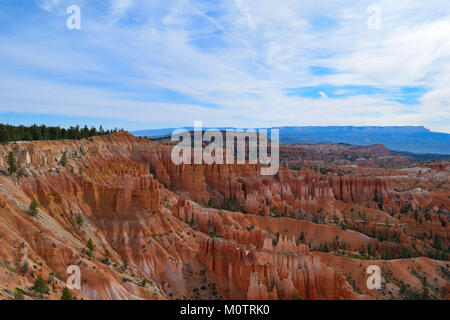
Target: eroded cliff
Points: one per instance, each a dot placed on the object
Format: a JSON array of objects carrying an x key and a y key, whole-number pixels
[{"x": 163, "y": 231}]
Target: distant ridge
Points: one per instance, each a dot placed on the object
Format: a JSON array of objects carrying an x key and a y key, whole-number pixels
[{"x": 400, "y": 138}]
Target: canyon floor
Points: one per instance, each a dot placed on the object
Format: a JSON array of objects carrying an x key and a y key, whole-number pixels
[{"x": 162, "y": 231}]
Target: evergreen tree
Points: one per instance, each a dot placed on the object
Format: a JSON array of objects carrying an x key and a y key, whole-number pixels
[
  {"x": 321, "y": 247},
  {"x": 387, "y": 254},
  {"x": 33, "y": 209},
  {"x": 405, "y": 253},
  {"x": 10, "y": 133},
  {"x": 437, "y": 242},
  {"x": 4, "y": 135},
  {"x": 90, "y": 246},
  {"x": 27, "y": 136},
  {"x": 40, "y": 286},
  {"x": 19, "y": 294},
  {"x": 63, "y": 160},
  {"x": 66, "y": 294},
  {"x": 302, "y": 237},
  {"x": 362, "y": 251},
  {"x": 80, "y": 221},
  {"x": 85, "y": 132},
  {"x": 11, "y": 160}
]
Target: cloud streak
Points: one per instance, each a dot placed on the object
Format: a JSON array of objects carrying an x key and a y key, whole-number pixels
[{"x": 231, "y": 63}]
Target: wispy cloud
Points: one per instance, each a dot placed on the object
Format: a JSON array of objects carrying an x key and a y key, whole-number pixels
[
  {"x": 49, "y": 5},
  {"x": 244, "y": 9},
  {"x": 231, "y": 62},
  {"x": 119, "y": 9}
]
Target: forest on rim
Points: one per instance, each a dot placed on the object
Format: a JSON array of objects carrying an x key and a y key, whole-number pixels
[{"x": 9, "y": 133}]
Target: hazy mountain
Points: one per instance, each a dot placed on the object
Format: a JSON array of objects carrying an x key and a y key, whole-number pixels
[{"x": 402, "y": 138}]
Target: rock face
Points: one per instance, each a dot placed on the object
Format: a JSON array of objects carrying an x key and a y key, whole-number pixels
[
  {"x": 245, "y": 189},
  {"x": 283, "y": 271},
  {"x": 163, "y": 231}
]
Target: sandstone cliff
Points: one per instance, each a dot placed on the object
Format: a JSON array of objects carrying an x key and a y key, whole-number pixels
[{"x": 163, "y": 231}]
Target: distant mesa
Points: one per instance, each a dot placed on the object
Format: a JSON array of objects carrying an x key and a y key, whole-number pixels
[{"x": 400, "y": 138}]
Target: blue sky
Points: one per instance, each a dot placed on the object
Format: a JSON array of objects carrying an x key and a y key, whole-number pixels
[{"x": 244, "y": 63}]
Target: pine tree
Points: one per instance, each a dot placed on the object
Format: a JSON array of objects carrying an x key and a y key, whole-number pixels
[
  {"x": 22, "y": 133},
  {"x": 4, "y": 135},
  {"x": 11, "y": 160},
  {"x": 90, "y": 246},
  {"x": 66, "y": 294},
  {"x": 80, "y": 221},
  {"x": 362, "y": 251},
  {"x": 321, "y": 246},
  {"x": 437, "y": 242},
  {"x": 33, "y": 209},
  {"x": 19, "y": 294},
  {"x": 387, "y": 254},
  {"x": 302, "y": 236},
  {"x": 40, "y": 286},
  {"x": 63, "y": 160}
]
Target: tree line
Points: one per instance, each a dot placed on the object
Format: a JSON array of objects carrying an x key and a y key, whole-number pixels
[{"x": 9, "y": 133}]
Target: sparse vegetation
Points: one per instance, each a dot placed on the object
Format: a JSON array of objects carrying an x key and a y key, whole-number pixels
[
  {"x": 33, "y": 208},
  {"x": 11, "y": 160},
  {"x": 296, "y": 296},
  {"x": 63, "y": 160},
  {"x": 66, "y": 294},
  {"x": 19, "y": 294},
  {"x": 40, "y": 286},
  {"x": 79, "y": 221},
  {"x": 91, "y": 247}
]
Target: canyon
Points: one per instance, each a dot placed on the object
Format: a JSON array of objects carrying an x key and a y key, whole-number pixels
[{"x": 222, "y": 231}]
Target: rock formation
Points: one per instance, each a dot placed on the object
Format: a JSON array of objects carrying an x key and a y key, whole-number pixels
[{"x": 163, "y": 231}]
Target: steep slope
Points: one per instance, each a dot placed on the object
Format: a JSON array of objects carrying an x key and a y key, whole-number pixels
[{"x": 163, "y": 231}]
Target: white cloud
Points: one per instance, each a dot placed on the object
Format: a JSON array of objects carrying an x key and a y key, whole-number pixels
[
  {"x": 49, "y": 5},
  {"x": 323, "y": 95},
  {"x": 239, "y": 56},
  {"x": 118, "y": 9},
  {"x": 242, "y": 6}
]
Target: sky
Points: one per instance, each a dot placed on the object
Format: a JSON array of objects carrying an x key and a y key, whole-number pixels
[{"x": 144, "y": 64}]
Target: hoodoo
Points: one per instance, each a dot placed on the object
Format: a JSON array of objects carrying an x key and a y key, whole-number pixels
[{"x": 139, "y": 226}]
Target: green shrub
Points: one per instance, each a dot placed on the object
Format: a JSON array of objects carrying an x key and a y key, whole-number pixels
[
  {"x": 40, "y": 286},
  {"x": 66, "y": 294},
  {"x": 19, "y": 294},
  {"x": 33, "y": 209}
]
